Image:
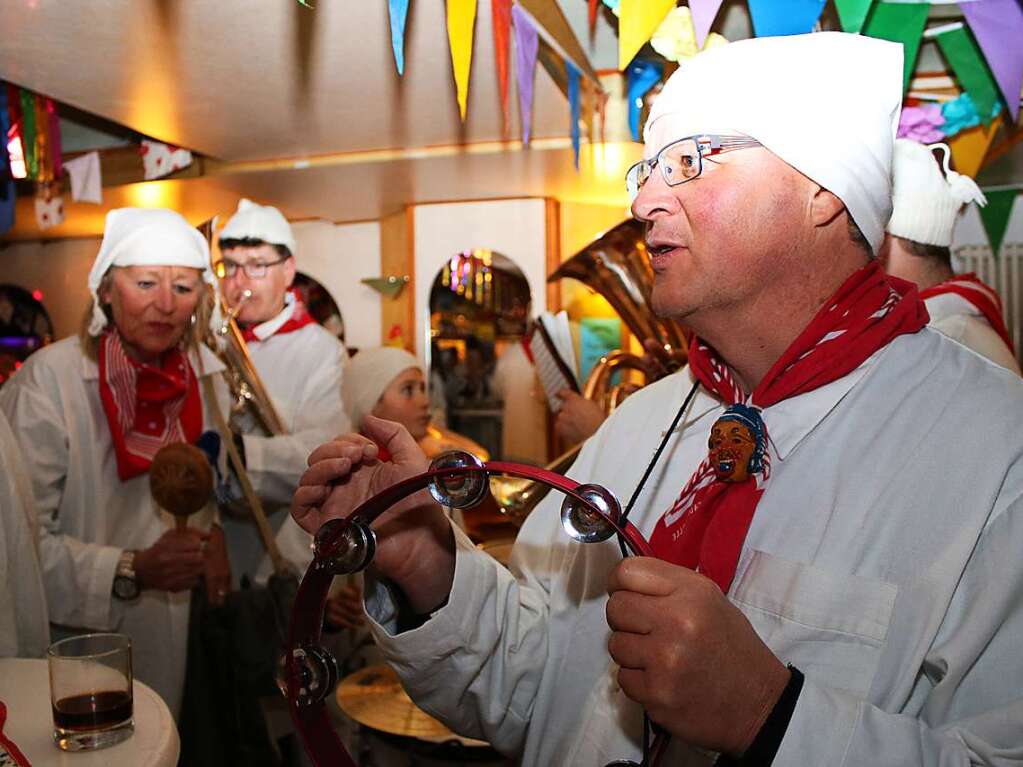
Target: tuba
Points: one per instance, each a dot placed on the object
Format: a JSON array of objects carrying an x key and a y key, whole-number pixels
[{"x": 617, "y": 266}]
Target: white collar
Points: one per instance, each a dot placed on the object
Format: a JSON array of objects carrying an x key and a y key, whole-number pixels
[
  {"x": 266, "y": 329},
  {"x": 946, "y": 305}
]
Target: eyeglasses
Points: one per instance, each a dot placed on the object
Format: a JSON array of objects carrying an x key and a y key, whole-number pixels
[
  {"x": 682, "y": 160},
  {"x": 254, "y": 270}
]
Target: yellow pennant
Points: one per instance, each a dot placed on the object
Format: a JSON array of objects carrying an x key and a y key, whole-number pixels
[
  {"x": 637, "y": 22},
  {"x": 461, "y": 19},
  {"x": 970, "y": 146}
]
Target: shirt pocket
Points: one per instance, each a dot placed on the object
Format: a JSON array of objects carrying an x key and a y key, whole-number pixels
[{"x": 832, "y": 627}]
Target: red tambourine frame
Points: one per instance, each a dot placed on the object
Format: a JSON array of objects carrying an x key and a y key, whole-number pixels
[{"x": 307, "y": 706}]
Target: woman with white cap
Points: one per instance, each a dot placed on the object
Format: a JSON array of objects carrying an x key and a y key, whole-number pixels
[{"x": 91, "y": 411}]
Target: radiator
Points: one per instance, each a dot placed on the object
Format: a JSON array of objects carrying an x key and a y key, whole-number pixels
[{"x": 1004, "y": 274}]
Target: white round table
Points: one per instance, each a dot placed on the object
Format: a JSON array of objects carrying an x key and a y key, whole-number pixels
[{"x": 25, "y": 689}]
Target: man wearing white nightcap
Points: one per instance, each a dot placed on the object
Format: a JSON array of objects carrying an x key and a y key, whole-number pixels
[
  {"x": 91, "y": 411},
  {"x": 298, "y": 360},
  {"x": 927, "y": 204},
  {"x": 835, "y": 514}
]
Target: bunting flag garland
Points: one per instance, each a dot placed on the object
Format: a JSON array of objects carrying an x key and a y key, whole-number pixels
[
  {"x": 642, "y": 76},
  {"x": 461, "y": 21},
  {"x": 637, "y": 21},
  {"x": 703, "y": 12},
  {"x": 852, "y": 14},
  {"x": 795, "y": 17},
  {"x": 998, "y": 27},
  {"x": 970, "y": 146},
  {"x": 995, "y": 216},
  {"x": 526, "y": 45},
  {"x": 56, "y": 145},
  {"x": 397, "y": 10},
  {"x": 49, "y": 209},
  {"x": 922, "y": 124},
  {"x": 900, "y": 23},
  {"x": 159, "y": 159},
  {"x": 7, "y": 191},
  {"x": 960, "y": 114},
  {"x": 501, "y": 21},
  {"x": 573, "y": 107},
  {"x": 86, "y": 178},
  {"x": 28, "y": 133},
  {"x": 44, "y": 162},
  {"x": 593, "y": 17},
  {"x": 966, "y": 61}
]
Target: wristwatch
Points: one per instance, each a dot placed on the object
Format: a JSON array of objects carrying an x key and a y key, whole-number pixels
[{"x": 126, "y": 582}]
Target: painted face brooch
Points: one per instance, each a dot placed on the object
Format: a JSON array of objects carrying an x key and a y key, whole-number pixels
[{"x": 737, "y": 444}]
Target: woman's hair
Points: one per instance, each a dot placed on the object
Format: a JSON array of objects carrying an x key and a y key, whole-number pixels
[{"x": 193, "y": 337}]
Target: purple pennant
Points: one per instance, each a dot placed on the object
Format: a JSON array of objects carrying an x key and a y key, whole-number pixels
[
  {"x": 573, "y": 107},
  {"x": 398, "y": 11},
  {"x": 998, "y": 27},
  {"x": 526, "y": 44},
  {"x": 704, "y": 12}
]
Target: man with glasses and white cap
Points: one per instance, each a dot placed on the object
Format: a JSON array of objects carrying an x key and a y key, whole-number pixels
[
  {"x": 834, "y": 492},
  {"x": 926, "y": 205},
  {"x": 299, "y": 362}
]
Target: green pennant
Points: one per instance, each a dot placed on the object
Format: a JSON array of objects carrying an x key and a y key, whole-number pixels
[
  {"x": 900, "y": 23},
  {"x": 964, "y": 56},
  {"x": 852, "y": 14},
  {"x": 28, "y": 132},
  {"x": 995, "y": 216}
]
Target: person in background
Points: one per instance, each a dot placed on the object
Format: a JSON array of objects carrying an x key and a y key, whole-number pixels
[
  {"x": 91, "y": 411},
  {"x": 24, "y": 626},
  {"x": 299, "y": 362},
  {"x": 523, "y": 407},
  {"x": 926, "y": 205}
]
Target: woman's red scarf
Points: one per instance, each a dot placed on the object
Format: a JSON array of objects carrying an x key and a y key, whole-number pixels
[
  {"x": 146, "y": 407},
  {"x": 300, "y": 317},
  {"x": 984, "y": 298},
  {"x": 706, "y": 526}
]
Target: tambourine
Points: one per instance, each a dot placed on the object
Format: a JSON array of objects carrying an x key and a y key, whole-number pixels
[{"x": 309, "y": 673}]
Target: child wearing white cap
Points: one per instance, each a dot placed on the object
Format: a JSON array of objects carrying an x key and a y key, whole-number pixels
[
  {"x": 927, "y": 204},
  {"x": 91, "y": 411}
]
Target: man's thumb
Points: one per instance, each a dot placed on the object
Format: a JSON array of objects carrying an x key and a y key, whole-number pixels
[{"x": 392, "y": 436}]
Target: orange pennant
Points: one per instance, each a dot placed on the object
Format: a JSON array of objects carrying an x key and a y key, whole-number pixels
[
  {"x": 970, "y": 146},
  {"x": 461, "y": 21}
]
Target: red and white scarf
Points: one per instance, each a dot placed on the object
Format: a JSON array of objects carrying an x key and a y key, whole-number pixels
[
  {"x": 706, "y": 526},
  {"x": 300, "y": 317},
  {"x": 146, "y": 407},
  {"x": 981, "y": 296}
]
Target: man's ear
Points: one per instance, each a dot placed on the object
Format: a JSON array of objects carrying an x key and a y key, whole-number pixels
[
  {"x": 289, "y": 270},
  {"x": 825, "y": 207}
]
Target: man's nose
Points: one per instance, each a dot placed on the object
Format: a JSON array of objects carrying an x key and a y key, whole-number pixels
[
  {"x": 165, "y": 298},
  {"x": 655, "y": 199}
]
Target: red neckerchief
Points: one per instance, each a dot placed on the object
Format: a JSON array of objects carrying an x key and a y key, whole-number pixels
[
  {"x": 300, "y": 317},
  {"x": 983, "y": 297},
  {"x": 8, "y": 746},
  {"x": 146, "y": 407},
  {"x": 707, "y": 525}
]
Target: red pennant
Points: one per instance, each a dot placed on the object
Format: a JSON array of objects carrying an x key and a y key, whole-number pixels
[
  {"x": 501, "y": 10},
  {"x": 593, "y": 17}
]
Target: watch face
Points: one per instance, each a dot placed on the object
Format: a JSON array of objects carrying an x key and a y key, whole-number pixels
[{"x": 125, "y": 588}]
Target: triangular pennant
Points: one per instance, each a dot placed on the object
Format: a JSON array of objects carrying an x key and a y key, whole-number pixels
[
  {"x": 526, "y": 44},
  {"x": 461, "y": 21},
  {"x": 998, "y": 27},
  {"x": 56, "y": 145},
  {"x": 86, "y": 178},
  {"x": 573, "y": 108},
  {"x": 964, "y": 57},
  {"x": 970, "y": 146},
  {"x": 795, "y": 17},
  {"x": 398, "y": 11},
  {"x": 593, "y": 17},
  {"x": 501, "y": 22},
  {"x": 49, "y": 211},
  {"x": 641, "y": 77},
  {"x": 637, "y": 22},
  {"x": 7, "y": 191},
  {"x": 852, "y": 14},
  {"x": 704, "y": 12},
  {"x": 900, "y": 23},
  {"x": 28, "y": 132},
  {"x": 44, "y": 153},
  {"x": 995, "y": 216}
]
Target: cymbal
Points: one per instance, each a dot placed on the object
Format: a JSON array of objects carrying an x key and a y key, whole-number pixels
[
  {"x": 499, "y": 549},
  {"x": 374, "y": 697}
]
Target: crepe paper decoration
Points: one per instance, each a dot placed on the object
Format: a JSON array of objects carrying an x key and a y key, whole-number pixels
[
  {"x": 704, "y": 12},
  {"x": 526, "y": 44},
  {"x": 960, "y": 114},
  {"x": 397, "y": 10},
  {"x": 86, "y": 178},
  {"x": 922, "y": 123},
  {"x": 44, "y": 160},
  {"x": 995, "y": 216},
  {"x": 56, "y": 145},
  {"x": 637, "y": 22},
  {"x": 501, "y": 22},
  {"x": 794, "y": 17},
  {"x": 852, "y": 14},
  {"x": 159, "y": 160},
  {"x": 28, "y": 132},
  {"x": 49, "y": 211},
  {"x": 900, "y": 23},
  {"x": 641, "y": 77},
  {"x": 675, "y": 39},
  {"x": 998, "y": 27},
  {"x": 970, "y": 146},
  {"x": 461, "y": 22},
  {"x": 966, "y": 61},
  {"x": 573, "y": 108},
  {"x": 7, "y": 191}
]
